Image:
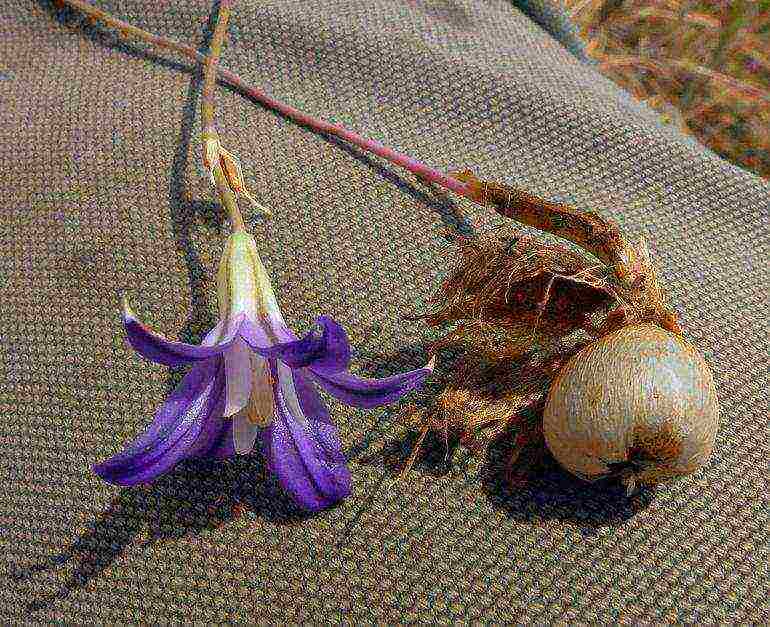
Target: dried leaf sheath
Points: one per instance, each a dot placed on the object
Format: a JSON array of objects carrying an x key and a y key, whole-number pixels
[
  {"x": 526, "y": 283},
  {"x": 521, "y": 308},
  {"x": 589, "y": 230}
]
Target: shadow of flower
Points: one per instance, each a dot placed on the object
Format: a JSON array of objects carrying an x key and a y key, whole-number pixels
[
  {"x": 198, "y": 495},
  {"x": 437, "y": 199},
  {"x": 377, "y": 365}
]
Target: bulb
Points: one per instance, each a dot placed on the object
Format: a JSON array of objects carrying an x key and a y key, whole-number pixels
[{"x": 638, "y": 403}]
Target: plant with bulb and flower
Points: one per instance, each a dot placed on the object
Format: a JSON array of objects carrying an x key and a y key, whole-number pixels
[{"x": 648, "y": 451}]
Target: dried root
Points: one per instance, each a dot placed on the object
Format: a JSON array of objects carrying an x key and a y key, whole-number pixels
[
  {"x": 521, "y": 284},
  {"x": 498, "y": 387}
]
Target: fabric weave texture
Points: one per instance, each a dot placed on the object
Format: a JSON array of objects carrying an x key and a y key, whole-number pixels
[{"x": 104, "y": 196}]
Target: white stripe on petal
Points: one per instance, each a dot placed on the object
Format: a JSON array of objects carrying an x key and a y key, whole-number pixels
[
  {"x": 238, "y": 377},
  {"x": 259, "y": 411},
  {"x": 286, "y": 381}
]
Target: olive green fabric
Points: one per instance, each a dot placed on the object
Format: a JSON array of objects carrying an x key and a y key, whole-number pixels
[{"x": 103, "y": 196}]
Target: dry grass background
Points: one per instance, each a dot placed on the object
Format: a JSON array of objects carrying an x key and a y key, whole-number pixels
[{"x": 704, "y": 65}]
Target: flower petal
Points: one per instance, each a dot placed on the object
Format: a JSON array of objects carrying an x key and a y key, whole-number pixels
[
  {"x": 192, "y": 410},
  {"x": 328, "y": 351},
  {"x": 259, "y": 411},
  {"x": 304, "y": 451},
  {"x": 238, "y": 376},
  {"x": 244, "y": 432},
  {"x": 158, "y": 349},
  {"x": 215, "y": 440},
  {"x": 219, "y": 443},
  {"x": 254, "y": 333},
  {"x": 362, "y": 392}
]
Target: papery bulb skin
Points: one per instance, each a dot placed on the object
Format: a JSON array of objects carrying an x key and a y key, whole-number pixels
[{"x": 639, "y": 403}]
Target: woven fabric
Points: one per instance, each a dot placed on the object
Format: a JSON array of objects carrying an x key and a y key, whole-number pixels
[{"x": 103, "y": 196}]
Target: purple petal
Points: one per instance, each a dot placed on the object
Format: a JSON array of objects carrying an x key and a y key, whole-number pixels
[
  {"x": 361, "y": 392},
  {"x": 220, "y": 442},
  {"x": 310, "y": 401},
  {"x": 304, "y": 451},
  {"x": 158, "y": 349},
  {"x": 328, "y": 351},
  {"x": 254, "y": 334},
  {"x": 187, "y": 424}
]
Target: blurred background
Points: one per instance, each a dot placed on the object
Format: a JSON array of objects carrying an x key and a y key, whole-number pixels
[{"x": 704, "y": 65}]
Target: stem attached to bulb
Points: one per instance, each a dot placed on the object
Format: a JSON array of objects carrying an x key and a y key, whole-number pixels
[{"x": 594, "y": 233}]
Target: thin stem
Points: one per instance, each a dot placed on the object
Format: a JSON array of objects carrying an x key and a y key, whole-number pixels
[
  {"x": 210, "y": 64},
  {"x": 404, "y": 161},
  {"x": 588, "y": 230},
  {"x": 208, "y": 130}
]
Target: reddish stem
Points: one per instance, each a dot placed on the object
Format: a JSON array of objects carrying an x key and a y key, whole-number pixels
[{"x": 404, "y": 161}]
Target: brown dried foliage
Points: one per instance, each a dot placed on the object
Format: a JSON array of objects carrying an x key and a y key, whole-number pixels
[
  {"x": 520, "y": 308},
  {"x": 702, "y": 64},
  {"x": 523, "y": 283},
  {"x": 549, "y": 289},
  {"x": 589, "y": 230},
  {"x": 497, "y": 387}
]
